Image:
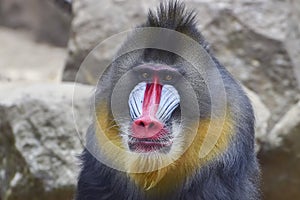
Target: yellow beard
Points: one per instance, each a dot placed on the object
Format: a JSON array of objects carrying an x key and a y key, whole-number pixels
[{"x": 163, "y": 172}]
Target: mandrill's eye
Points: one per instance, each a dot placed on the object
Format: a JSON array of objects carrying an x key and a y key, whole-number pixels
[
  {"x": 145, "y": 75},
  {"x": 169, "y": 101},
  {"x": 168, "y": 77}
]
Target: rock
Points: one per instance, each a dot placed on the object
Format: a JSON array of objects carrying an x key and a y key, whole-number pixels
[
  {"x": 292, "y": 39},
  {"x": 281, "y": 161},
  {"x": 249, "y": 39},
  {"x": 42, "y": 18},
  {"x": 262, "y": 116},
  {"x": 288, "y": 124},
  {"x": 22, "y": 59},
  {"x": 39, "y": 141}
]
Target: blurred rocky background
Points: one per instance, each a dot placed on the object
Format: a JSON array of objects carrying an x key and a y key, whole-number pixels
[{"x": 43, "y": 43}]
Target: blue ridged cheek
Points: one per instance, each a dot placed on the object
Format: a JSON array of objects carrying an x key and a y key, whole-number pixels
[{"x": 169, "y": 101}]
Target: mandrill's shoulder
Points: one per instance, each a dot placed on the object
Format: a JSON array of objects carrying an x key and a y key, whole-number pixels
[{"x": 97, "y": 181}]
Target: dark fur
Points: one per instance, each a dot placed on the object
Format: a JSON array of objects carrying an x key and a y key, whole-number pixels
[{"x": 234, "y": 175}]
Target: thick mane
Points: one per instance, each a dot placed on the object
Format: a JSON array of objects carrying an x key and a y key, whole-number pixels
[{"x": 174, "y": 15}]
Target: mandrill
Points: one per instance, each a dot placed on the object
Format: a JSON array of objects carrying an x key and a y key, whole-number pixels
[{"x": 170, "y": 121}]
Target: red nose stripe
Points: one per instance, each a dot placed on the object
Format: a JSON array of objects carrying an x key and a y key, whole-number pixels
[
  {"x": 147, "y": 126},
  {"x": 151, "y": 98}
]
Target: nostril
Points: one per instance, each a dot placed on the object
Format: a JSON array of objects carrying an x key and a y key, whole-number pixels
[
  {"x": 151, "y": 124},
  {"x": 141, "y": 123}
]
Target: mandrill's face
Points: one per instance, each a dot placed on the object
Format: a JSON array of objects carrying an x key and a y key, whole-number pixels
[{"x": 154, "y": 109}]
